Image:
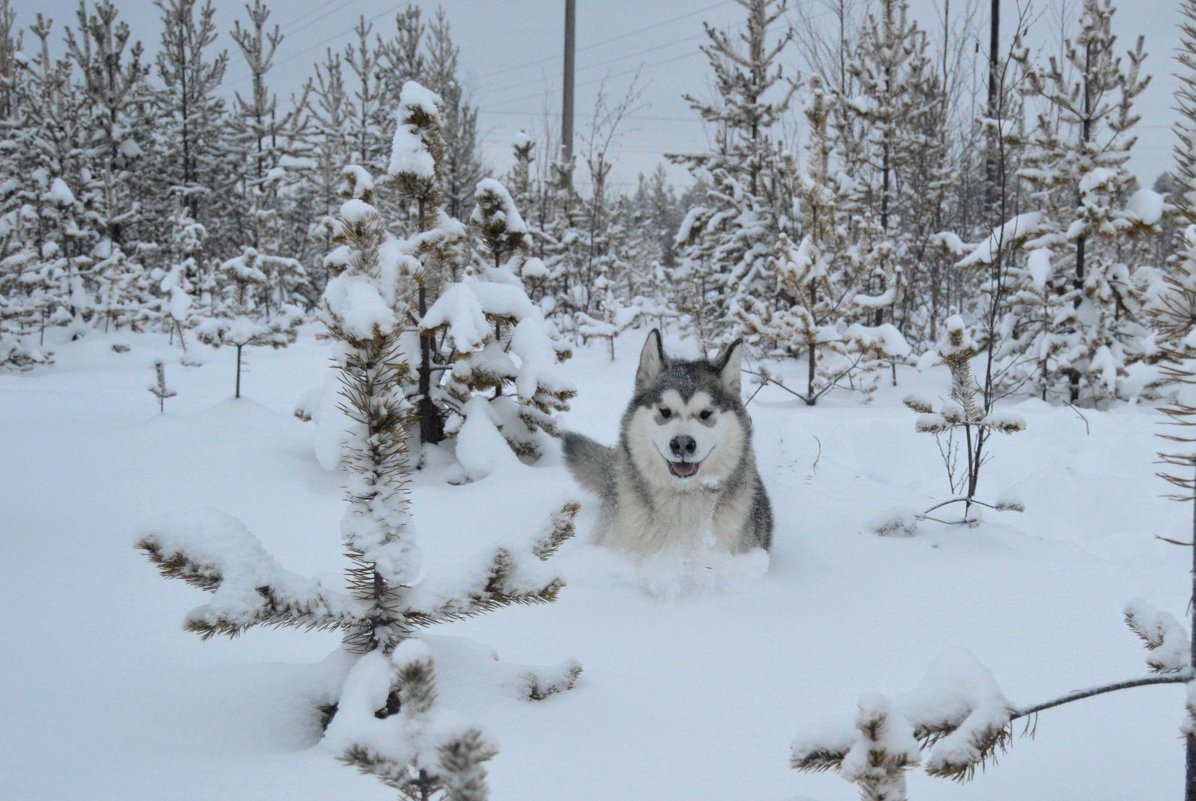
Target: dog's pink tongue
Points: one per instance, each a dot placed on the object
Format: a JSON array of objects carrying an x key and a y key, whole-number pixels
[{"x": 684, "y": 469}]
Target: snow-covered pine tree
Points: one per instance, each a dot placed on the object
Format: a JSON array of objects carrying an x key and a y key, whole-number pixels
[
  {"x": 122, "y": 287},
  {"x": 383, "y": 717},
  {"x": 331, "y": 110},
  {"x": 502, "y": 383},
  {"x": 191, "y": 120},
  {"x": 699, "y": 295},
  {"x": 183, "y": 272},
  {"x": 815, "y": 281},
  {"x": 47, "y": 153},
  {"x": 666, "y": 214},
  {"x": 504, "y": 234},
  {"x": 237, "y": 318},
  {"x": 1076, "y": 166},
  {"x": 369, "y": 121},
  {"x": 630, "y": 278},
  {"x": 113, "y": 90},
  {"x": 67, "y": 247},
  {"x": 439, "y": 242},
  {"x": 520, "y": 180},
  {"x": 470, "y": 327},
  {"x": 891, "y": 70},
  {"x": 12, "y": 61},
  {"x": 401, "y": 57},
  {"x": 727, "y": 240},
  {"x": 560, "y": 240},
  {"x": 928, "y": 187},
  {"x": 268, "y": 143},
  {"x": 991, "y": 264},
  {"x": 25, "y": 289},
  {"x": 113, "y": 93},
  {"x": 599, "y": 258},
  {"x": 462, "y": 167},
  {"x": 658, "y": 215},
  {"x": 527, "y": 195},
  {"x": 1172, "y": 223}
]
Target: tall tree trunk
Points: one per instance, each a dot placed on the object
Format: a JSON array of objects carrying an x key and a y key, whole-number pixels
[{"x": 431, "y": 426}]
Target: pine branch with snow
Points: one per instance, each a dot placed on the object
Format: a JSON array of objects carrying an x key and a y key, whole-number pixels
[
  {"x": 407, "y": 744},
  {"x": 215, "y": 553},
  {"x": 503, "y": 231},
  {"x": 539, "y": 684},
  {"x": 874, "y": 757},
  {"x": 1185, "y": 127},
  {"x": 461, "y": 762},
  {"x": 179, "y": 286},
  {"x": 1165, "y": 639},
  {"x": 960, "y": 717},
  {"x": 417, "y": 150}
]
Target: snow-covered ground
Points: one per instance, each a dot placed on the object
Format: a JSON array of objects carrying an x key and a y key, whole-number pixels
[{"x": 696, "y": 680}]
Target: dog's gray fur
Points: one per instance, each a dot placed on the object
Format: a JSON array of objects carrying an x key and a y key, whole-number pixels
[{"x": 648, "y": 504}]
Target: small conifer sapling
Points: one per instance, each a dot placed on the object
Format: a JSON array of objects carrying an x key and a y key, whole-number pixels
[
  {"x": 384, "y": 717},
  {"x": 962, "y": 416},
  {"x": 159, "y": 388}
]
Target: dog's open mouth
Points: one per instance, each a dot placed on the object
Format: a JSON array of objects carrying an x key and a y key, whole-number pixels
[{"x": 683, "y": 469}]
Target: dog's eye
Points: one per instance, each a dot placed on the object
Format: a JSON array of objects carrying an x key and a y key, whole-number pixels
[
  {"x": 706, "y": 413},
  {"x": 666, "y": 412}
]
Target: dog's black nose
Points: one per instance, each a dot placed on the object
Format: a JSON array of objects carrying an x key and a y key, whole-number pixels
[{"x": 683, "y": 446}]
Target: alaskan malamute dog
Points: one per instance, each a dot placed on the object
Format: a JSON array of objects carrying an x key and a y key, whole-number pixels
[{"x": 683, "y": 471}]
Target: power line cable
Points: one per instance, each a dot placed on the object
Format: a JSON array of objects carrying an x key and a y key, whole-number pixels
[
  {"x": 615, "y": 59},
  {"x": 505, "y": 70},
  {"x": 618, "y": 38},
  {"x": 319, "y": 44}
]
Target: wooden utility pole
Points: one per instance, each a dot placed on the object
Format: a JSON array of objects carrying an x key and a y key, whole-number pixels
[{"x": 567, "y": 99}]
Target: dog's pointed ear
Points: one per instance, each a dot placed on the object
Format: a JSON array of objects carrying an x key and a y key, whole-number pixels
[
  {"x": 729, "y": 365},
  {"x": 651, "y": 360}
]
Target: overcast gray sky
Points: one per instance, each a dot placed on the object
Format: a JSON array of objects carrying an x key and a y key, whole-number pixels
[{"x": 511, "y": 52}]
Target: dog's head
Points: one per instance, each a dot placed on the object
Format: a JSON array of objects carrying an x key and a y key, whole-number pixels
[{"x": 686, "y": 427}]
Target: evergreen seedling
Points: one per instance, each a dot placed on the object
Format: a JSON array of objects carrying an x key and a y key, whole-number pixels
[
  {"x": 159, "y": 388},
  {"x": 966, "y": 417}
]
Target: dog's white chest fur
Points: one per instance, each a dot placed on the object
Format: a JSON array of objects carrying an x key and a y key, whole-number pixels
[
  {"x": 676, "y": 520},
  {"x": 696, "y": 519}
]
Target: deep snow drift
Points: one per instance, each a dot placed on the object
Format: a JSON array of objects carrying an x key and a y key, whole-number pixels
[{"x": 698, "y": 675}]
